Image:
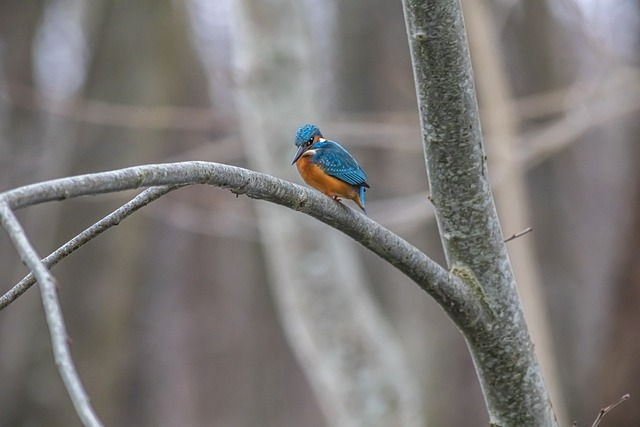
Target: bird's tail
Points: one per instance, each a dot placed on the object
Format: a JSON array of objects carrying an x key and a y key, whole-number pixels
[{"x": 361, "y": 201}]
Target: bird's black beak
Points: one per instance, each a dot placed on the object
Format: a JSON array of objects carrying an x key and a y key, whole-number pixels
[{"x": 300, "y": 152}]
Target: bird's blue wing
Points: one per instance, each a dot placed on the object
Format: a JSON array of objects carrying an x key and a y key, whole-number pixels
[{"x": 337, "y": 162}]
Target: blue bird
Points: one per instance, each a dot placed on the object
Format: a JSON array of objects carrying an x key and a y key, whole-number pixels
[{"x": 327, "y": 167}]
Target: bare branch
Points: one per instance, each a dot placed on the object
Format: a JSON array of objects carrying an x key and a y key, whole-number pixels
[
  {"x": 518, "y": 234},
  {"x": 605, "y": 411},
  {"x": 95, "y": 230},
  {"x": 53, "y": 313},
  {"x": 455, "y": 296}
]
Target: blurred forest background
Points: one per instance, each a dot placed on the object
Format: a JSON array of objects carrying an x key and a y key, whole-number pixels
[{"x": 173, "y": 315}]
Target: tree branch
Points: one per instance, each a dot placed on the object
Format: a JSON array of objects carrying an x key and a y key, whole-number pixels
[
  {"x": 53, "y": 313},
  {"x": 606, "y": 410},
  {"x": 465, "y": 211},
  {"x": 114, "y": 218},
  {"x": 455, "y": 297}
]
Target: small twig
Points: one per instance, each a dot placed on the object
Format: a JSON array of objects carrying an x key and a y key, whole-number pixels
[
  {"x": 114, "y": 218},
  {"x": 519, "y": 234},
  {"x": 53, "y": 313},
  {"x": 606, "y": 410}
]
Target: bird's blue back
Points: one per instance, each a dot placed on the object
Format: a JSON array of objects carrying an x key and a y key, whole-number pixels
[{"x": 337, "y": 162}]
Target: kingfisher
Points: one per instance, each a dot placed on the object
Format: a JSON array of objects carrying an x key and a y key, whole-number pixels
[{"x": 327, "y": 167}]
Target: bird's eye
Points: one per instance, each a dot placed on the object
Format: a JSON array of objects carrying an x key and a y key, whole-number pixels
[{"x": 310, "y": 141}]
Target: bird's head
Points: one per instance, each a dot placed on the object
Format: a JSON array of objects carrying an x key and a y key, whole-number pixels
[{"x": 304, "y": 139}]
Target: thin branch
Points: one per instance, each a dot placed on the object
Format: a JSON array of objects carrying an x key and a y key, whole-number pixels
[
  {"x": 114, "y": 218},
  {"x": 53, "y": 313},
  {"x": 518, "y": 234},
  {"x": 605, "y": 411}
]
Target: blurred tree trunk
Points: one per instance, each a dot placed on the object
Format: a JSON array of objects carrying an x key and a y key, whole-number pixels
[
  {"x": 130, "y": 64},
  {"x": 534, "y": 67},
  {"x": 357, "y": 51},
  {"x": 341, "y": 339},
  {"x": 23, "y": 144},
  {"x": 141, "y": 58},
  {"x": 619, "y": 364},
  {"x": 576, "y": 196},
  {"x": 372, "y": 84},
  {"x": 534, "y": 61},
  {"x": 113, "y": 74},
  {"x": 501, "y": 125},
  {"x": 368, "y": 50}
]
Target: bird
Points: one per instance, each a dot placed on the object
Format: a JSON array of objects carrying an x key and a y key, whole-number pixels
[{"x": 326, "y": 166}]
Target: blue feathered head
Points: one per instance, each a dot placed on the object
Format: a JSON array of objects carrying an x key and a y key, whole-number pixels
[{"x": 306, "y": 133}]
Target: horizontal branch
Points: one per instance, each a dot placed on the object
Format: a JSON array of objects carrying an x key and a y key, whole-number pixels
[{"x": 456, "y": 298}]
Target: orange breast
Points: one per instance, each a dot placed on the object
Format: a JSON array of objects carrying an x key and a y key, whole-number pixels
[{"x": 315, "y": 177}]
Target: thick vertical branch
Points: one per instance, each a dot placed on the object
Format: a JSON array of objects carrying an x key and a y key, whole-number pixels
[{"x": 470, "y": 231}]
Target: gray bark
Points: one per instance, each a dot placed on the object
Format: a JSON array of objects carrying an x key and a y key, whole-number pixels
[
  {"x": 370, "y": 384},
  {"x": 470, "y": 231}
]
